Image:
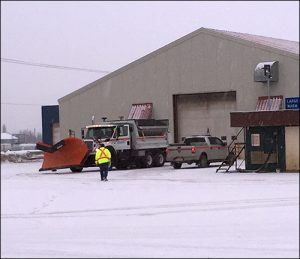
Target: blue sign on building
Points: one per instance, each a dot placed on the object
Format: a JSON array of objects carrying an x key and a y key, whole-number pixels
[{"x": 292, "y": 103}]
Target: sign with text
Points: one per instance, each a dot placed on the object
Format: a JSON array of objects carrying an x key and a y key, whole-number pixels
[{"x": 292, "y": 103}]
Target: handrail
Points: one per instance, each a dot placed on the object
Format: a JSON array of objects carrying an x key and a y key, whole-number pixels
[{"x": 235, "y": 138}]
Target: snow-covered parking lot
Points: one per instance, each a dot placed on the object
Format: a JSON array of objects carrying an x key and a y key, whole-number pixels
[{"x": 157, "y": 212}]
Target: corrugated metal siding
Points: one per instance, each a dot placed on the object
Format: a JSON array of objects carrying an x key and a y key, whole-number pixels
[
  {"x": 141, "y": 111},
  {"x": 274, "y": 104}
]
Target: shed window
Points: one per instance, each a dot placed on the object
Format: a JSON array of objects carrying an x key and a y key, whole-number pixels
[{"x": 255, "y": 140}]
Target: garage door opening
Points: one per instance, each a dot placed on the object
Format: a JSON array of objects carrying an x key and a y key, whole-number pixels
[{"x": 202, "y": 112}]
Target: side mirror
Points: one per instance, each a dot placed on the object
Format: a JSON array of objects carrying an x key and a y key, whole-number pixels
[{"x": 82, "y": 134}]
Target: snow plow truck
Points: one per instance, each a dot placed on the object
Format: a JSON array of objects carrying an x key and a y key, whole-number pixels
[{"x": 133, "y": 142}]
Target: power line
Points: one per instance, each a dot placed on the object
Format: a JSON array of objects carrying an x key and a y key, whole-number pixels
[
  {"x": 27, "y": 104},
  {"x": 27, "y": 63}
]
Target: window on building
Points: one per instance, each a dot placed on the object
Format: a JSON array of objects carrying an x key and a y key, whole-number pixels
[{"x": 255, "y": 140}]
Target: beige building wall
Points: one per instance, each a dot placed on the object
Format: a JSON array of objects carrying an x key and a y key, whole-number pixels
[
  {"x": 292, "y": 148},
  {"x": 200, "y": 62}
]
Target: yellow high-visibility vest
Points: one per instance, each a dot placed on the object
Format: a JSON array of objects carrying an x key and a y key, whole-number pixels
[{"x": 102, "y": 155}]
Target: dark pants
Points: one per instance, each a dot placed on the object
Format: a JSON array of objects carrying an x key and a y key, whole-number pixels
[{"x": 104, "y": 170}]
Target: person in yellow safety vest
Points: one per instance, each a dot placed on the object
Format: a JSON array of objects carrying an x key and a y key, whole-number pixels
[{"x": 102, "y": 159}]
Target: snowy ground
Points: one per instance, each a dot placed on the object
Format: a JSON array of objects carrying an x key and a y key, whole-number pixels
[{"x": 157, "y": 212}]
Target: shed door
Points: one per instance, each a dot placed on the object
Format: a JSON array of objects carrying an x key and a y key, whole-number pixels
[
  {"x": 199, "y": 113},
  {"x": 265, "y": 148}
]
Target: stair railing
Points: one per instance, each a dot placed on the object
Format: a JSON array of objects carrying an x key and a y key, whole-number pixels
[{"x": 232, "y": 149}]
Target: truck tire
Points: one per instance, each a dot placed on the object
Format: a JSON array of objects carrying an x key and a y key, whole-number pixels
[
  {"x": 137, "y": 163},
  {"x": 122, "y": 165},
  {"x": 159, "y": 160},
  {"x": 203, "y": 162},
  {"x": 177, "y": 165},
  {"x": 147, "y": 160},
  {"x": 76, "y": 169}
]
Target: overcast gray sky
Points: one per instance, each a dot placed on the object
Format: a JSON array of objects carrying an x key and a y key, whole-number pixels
[{"x": 106, "y": 36}]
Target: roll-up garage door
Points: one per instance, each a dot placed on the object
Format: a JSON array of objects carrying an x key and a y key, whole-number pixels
[{"x": 202, "y": 113}]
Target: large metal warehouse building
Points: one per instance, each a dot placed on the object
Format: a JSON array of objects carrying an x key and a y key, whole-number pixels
[{"x": 195, "y": 82}]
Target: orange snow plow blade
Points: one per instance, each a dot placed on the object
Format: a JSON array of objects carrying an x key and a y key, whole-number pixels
[{"x": 69, "y": 152}]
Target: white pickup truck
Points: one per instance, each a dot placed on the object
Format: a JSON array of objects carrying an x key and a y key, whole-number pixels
[{"x": 199, "y": 149}]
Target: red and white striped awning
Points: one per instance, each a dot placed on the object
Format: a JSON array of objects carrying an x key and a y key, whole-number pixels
[{"x": 275, "y": 103}]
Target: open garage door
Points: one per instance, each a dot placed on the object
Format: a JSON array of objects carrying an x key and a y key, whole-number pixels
[{"x": 199, "y": 113}]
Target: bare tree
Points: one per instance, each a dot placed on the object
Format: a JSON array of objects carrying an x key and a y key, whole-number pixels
[{"x": 28, "y": 136}]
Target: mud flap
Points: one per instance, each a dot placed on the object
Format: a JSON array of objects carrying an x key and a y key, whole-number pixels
[{"x": 69, "y": 152}]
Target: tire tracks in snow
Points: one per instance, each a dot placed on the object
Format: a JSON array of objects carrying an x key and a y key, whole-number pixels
[{"x": 152, "y": 210}]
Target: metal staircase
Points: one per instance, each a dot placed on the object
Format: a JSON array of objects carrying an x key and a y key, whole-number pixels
[{"x": 235, "y": 149}]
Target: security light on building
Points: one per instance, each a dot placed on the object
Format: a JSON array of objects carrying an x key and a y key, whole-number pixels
[{"x": 265, "y": 71}]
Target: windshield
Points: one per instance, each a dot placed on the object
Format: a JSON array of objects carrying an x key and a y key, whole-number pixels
[{"x": 100, "y": 132}]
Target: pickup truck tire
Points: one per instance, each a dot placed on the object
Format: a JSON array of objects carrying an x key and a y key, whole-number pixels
[
  {"x": 203, "y": 162},
  {"x": 147, "y": 160},
  {"x": 159, "y": 160},
  {"x": 176, "y": 165}
]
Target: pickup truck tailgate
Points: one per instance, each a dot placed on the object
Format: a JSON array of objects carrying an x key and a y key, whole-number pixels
[{"x": 181, "y": 153}]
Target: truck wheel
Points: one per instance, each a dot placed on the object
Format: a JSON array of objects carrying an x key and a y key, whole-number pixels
[
  {"x": 203, "y": 162},
  {"x": 177, "y": 165},
  {"x": 76, "y": 169},
  {"x": 138, "y": 163},
  {"x": 122, "y": 165},
  {"x": 147, "y": 160},
  {"x": 159, "y": 160}
]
